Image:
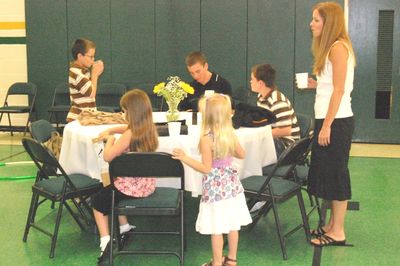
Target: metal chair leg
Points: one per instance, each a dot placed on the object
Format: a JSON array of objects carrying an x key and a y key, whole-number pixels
[
  {"x": 31, "y": 215},
  {"x": 306, "y": 226},
  {"x": 56, "y": 227},
  {"x": 279, "y": 230}
]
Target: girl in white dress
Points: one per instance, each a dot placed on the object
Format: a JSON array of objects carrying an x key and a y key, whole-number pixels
[{"x": 223, "y": 208}]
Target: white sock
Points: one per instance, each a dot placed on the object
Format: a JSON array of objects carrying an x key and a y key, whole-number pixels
[
  {"x": 125, "y": 228},
  {"x": 103, "y": 242}
]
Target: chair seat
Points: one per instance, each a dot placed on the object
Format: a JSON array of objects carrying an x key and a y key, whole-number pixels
[
  {"x": 281, "y": 188},
  {"x": 109, "y": 108},
  {"x": 53, "y": 186},
  {"x": 281, "y": 171},
  {"x": 15, "y": 109},
  {"x": 59, "y": 108},
  {"x": 164, "y": 201}
]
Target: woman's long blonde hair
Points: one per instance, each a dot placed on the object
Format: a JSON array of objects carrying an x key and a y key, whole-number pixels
[
  {"x": 334, "y": 29},
  {"x": 138, "y": 110},
  {"x": 216, "y": 112}
]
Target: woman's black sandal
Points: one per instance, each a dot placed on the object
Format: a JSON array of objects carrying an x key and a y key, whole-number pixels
[
  {"x": 318, "y": 232},
  {"x": 325, "y": 240}
]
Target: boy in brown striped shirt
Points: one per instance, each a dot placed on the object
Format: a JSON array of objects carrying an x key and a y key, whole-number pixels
[
  {"x": 83, "y": 75},
  {"x": 286, "y": 129}
]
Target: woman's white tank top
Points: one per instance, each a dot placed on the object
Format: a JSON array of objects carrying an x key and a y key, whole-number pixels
[{"x": 325, "y": 89}]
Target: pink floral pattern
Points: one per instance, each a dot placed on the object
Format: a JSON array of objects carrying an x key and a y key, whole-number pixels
[
  {"x": 221, "y": 183},
  {"x": 138, "y": 187}
]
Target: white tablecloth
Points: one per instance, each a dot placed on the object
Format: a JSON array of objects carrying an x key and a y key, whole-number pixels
[{"x": 80, "y": 155}]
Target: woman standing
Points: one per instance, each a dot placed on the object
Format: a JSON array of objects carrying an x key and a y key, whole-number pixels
[{"x": 334, "y": 63}]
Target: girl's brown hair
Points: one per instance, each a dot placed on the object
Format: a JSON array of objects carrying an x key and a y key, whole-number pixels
[
  {"x": 138, "y": 113},
  {"x": 334, "y": 29}
]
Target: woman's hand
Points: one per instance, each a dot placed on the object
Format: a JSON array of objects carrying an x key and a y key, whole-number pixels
[
  {"x": 312, "y": 83},
  {"x": 178, "y": 154},
  {"x": 324, "y": 137}
]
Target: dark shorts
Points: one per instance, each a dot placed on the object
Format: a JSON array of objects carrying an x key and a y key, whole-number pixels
[
  {"x": 101, "y": 201},
  {"x": 329, "y": 176}
]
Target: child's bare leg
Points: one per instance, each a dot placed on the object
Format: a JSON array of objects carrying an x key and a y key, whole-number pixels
[{"x": 217, "y": 244}]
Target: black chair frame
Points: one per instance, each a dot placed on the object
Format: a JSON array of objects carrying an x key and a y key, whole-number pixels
[
  {"x": 275, "y": 189},
  {"x": 60, "y": 105},
  {"x": 151, "y": 164},
  {"x": 20, "y": 88},
  {"x": 108, "y": 96},
  {"x": 64, "y": 189}
]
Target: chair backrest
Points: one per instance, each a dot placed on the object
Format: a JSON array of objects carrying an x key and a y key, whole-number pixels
[
  {"x": 147, "y": 164},
  {"x": 44, "y": 160},
  {"x": 41, "y": 130},
  {"x": 306, "y": 124},
  {"x": 61, "y": 94},
  {"x": 157, "y": 102},
  {"x": 109, "y": 94},
  {"x": 240, "y": 95},
  {"x": 292, "y": 154},
  {"x": 290, "y": 157},
  {"x": 23, "y": 88}
]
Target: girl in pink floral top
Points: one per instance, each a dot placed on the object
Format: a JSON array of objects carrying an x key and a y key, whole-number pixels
[
  {"x": 223, "y": 208},
  {"x": 139, "y": 135}
]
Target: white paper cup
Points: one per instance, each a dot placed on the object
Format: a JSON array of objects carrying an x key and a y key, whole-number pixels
[
  {"x": 209, "y": 93},
  {"x": 174, "y": 129},
  {"x": 302, "y": 80}
]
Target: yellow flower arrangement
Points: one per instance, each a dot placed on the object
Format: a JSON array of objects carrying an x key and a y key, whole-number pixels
[{"x": 174, "y": 91}]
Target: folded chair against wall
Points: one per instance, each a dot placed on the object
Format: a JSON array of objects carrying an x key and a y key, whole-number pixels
[
  {"x": 108, "y": 96},
  {"x": 61, "y": 188},
  {"x": 162, "y": 203},
  {"x": 18, "y": 89},
  {"x": 274, "y": 189},
  {"x": 60, "y": 104}
]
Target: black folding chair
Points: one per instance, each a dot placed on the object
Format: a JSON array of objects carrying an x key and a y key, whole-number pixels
[
  {"x": 157, "y": 102},
  {"x": 275, "y": 189},
  {"x": 300, "y": 172},
  {"x": 60, "y": 105},
  {"x": 60, "y": 188},
  {"x": 306, "y": 124},
  {"x": 18, "y": 89},
  {"x": 164, "y": 201},
  {"x": 108, "y": 96}
]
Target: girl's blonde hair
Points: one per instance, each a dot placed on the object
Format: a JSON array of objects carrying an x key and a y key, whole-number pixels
[
  {"x": 334, "y": 29},
  {"x": 138, "y": 110},
  {"x": 216, "y": 119}
]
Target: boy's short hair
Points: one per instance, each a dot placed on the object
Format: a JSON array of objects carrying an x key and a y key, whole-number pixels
[
  {"x": 194, "y": 58},
  {"x": 266, "y": 73},
  {"x": 81, "y": 46}
]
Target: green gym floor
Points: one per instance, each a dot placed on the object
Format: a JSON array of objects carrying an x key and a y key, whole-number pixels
[{"x": 373, "y": 229}]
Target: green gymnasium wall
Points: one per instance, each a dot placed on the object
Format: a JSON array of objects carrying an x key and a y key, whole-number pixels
[{"x": 144, "y": 41}]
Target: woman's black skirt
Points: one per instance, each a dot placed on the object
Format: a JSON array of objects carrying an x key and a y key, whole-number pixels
[{"x": 329, "y": 176}]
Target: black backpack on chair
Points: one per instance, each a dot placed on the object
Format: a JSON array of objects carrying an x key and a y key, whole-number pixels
[{"x": 247, "y": 115}]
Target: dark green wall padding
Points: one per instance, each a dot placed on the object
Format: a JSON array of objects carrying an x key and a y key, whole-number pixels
[{"x": 144, "y": 41}]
